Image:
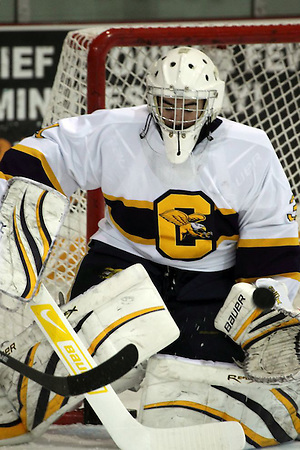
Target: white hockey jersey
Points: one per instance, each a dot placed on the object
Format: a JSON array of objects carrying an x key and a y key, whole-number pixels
[{"x": 229, "y": 204}]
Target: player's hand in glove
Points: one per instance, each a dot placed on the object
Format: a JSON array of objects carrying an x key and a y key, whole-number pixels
[{"x": 269, "y": 337}]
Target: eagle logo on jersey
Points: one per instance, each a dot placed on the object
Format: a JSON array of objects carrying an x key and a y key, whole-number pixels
[{"x": 189, "y": 224}]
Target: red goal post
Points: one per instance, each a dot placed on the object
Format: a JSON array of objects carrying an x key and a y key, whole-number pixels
[{"x": 259, "y": 62}]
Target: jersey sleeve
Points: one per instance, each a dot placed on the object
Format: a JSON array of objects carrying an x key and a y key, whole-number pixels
[
  {"x": 268, "y": 243},
  {"x": 63, "y": 156}
]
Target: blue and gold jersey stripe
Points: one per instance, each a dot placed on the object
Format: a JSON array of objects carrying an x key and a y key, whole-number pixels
[
  {"x": 30, "y": 163},
  {"x": 263, "y": 258}
]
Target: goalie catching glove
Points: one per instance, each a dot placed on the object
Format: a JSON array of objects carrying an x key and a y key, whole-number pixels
[
  {"x": 123, "y": 309},
  {"x": 269, "y": 338}
]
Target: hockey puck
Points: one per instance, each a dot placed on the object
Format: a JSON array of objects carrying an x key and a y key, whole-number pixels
[{"x": 263, "y": 298}]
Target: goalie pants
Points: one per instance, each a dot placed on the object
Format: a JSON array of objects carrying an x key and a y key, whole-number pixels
[{"x": 193, "y": 299}]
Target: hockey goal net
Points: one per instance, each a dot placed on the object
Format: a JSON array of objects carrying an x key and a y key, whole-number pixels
[{"x": 105, "y": 68}]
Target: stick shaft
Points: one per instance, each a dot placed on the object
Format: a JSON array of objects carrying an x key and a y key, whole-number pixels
[{"x": 67, "y": 386}]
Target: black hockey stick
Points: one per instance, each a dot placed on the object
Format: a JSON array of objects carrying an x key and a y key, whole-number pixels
[{"x": 102, "y": 375}]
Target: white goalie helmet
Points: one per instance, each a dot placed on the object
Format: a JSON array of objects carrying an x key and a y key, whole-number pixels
[{"x": 184, "y": 92}]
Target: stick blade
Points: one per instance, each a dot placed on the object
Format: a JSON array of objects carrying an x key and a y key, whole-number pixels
[{"x": 211, "y": 436}]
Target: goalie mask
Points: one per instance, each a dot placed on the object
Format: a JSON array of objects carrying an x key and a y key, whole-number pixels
[{"x": 184, "y": 93}]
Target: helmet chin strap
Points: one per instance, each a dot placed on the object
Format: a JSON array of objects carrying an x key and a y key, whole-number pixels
[
  {"x": 145, "y": 130},
  {"x": 178, "y": 145}
]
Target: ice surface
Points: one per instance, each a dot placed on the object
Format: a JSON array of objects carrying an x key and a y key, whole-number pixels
[
  {"x": 64, "y": 437},
  {"x": 78, "y": 436}
]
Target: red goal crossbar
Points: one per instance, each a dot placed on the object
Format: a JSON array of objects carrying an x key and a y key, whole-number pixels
[{"x": 189, "y": 36}]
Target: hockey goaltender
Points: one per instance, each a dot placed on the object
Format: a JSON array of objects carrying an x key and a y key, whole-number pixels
[{"x": 204, "y": 205}]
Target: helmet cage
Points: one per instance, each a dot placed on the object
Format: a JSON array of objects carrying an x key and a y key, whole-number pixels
[
  {"x": 185, "y": 117},
  {"x": 184, "y": 74}
]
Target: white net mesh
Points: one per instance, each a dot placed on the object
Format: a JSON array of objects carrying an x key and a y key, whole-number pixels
[{"x": 262, "y": 90}]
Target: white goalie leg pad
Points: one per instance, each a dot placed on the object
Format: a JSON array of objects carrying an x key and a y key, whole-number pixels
[
  {"x": 123, "y": 309},
  {"x": 180, "y": 392},
  {"x": 270, "y": 338},
  {"x": 36, "y": 407},
  {"x": 12, "y": 430}
]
